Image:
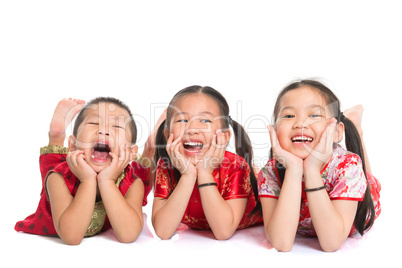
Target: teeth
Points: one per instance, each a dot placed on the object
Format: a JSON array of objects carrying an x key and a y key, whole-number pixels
[
  {"x": 193, "y": 144},
  {"x": 302, "y": 139}
]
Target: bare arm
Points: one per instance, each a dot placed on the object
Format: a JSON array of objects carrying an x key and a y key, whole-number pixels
[
  {"x": 168, "y": 213},
  {"x": 124, "y": 213},
  {"x": 281, "y": 216},
  {"x": 71, "y": 215},
  {"x": 332, "y": 220}
]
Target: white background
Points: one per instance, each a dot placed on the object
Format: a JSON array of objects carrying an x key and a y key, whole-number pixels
[{"x": 143, "y": 52}]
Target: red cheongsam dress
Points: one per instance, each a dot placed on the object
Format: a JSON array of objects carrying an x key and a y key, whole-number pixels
[
  {"x": 233, "y": 179},
  {"x": 53, "y": 159}
]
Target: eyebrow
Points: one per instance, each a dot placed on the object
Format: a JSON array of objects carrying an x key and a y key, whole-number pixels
[
  {"x": 204, "y": 112},
  {"x": 308, "y": 107}
]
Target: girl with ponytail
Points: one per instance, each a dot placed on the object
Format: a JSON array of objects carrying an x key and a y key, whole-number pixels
[
  {"x": 198, "y": 182},
  {"x": 311, "y": 185}
]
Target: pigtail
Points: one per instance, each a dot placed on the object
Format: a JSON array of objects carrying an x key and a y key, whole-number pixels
[
  {"x": 161, "y": 153},
  {"x": 365, "y": 214},
  {"x": 245, "y": 150}
]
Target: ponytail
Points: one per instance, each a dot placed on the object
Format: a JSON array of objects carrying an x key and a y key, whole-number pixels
[
  {"x": 245, "y": 150},
  {"x": 365, "y": 213},
  {"x": 161, "y": 153}
]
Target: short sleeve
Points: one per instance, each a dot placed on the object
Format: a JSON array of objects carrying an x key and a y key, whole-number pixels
[
  {"x": 162, "y": 183},
  {"x": 350, "y": 182},
  {"x": 236, "y": 179},
  {"x": 268, "y": 181}
]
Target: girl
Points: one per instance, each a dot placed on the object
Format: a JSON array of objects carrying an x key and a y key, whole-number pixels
[
  {"x": 197, "y": 181},
  {"x": 94, "y": 179},
  {"x": 312, "y": 186}
]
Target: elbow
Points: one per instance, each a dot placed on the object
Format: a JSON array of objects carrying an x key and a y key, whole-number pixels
[
  {"x": 223, "y": 234},
  {"x": 163, "y": 234},
  {"x": 72, "y": 240},
  {"x": 330, "y": 247},
  {"x": 282, "y": 246},
  {"x": 128, "y": 238}
]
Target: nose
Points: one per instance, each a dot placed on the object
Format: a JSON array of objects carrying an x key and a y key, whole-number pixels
[
  {"x": 192, "y": 127},
  {"x": 102, "y": 131},
  {"x": 301, "y": 123}
]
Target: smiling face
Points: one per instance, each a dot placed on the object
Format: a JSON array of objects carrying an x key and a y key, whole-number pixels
[
  {"x": 302, "y": 119},
  {"x": 104, "y": 128},
  {"x": 195, "y": 119}
]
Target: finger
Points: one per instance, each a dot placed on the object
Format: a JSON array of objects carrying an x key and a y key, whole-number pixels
[
  {"x": 127, "y": 157},
  {"x": 133, "y": 154},
  {"x": 273, "y": 137},
  {"x": 169, "y": 141},
  {"x": 175, "y": 150},
  {"x": 80, "y": 159},
  {"x": 331, "y": 133},
  {"x": 114, "y": 158},
  {"x": 73, "y": 157},
  {"x": 122, "y": 152},
  {"x": 221, "y": 148}
]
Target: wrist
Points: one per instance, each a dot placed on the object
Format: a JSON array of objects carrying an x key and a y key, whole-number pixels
[
  {"x": 204, "y": 177},
  {"x": 313, "y": 179},
  {"x": 105, "y": 183},
  {"x": 295, "y": 171}
]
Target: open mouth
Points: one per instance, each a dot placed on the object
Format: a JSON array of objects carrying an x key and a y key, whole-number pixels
[
  {"x": 100, "y": 152},
  {"x": 302, "y": 139},
  {"x": 192, "y": 146}
]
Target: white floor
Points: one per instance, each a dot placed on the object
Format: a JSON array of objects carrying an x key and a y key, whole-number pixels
[{"x": 189, "y": 247}]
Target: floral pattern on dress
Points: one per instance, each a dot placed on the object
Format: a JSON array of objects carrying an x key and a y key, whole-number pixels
[{"x": 343, "y": 178}]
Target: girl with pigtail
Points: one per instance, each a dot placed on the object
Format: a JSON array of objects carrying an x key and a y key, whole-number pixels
[
  {"x": 198, "y": 182},
  {"x": 311, "y": 185}
]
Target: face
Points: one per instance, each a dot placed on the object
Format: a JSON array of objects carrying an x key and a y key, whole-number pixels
[
  {"x": 105, "y": 127},
  {"x": 302, "y": 119},
  {"x": 195, "y": 119}
]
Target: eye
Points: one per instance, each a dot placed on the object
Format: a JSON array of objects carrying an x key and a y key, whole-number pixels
[
  {"x": 182, "y": 121},
  {"x": 117, "y": 126},
  {"x": 93, "y": 123},
  {"x": 206, "y": 121},
  {"x": 315, "y": 115},
  {"x": 288, "y": 116}
]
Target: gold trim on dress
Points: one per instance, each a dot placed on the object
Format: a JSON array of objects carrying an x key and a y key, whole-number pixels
[{"x": 53, "y": 149}]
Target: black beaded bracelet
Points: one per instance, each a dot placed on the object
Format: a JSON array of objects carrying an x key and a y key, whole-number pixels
[
  {"x": 206, "y": 184},
  {"x": 314, "y": 189}
]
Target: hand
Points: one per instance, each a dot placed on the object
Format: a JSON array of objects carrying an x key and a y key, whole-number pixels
[
  {"x": 79, "y": 167},
  {"x": 178, "y": 160},
  {"x": 322, "y": 153},
  {"x": 215, "y": 154},
  {"x": 116, "y": 167},
  {"x": 288, "y": 160}
]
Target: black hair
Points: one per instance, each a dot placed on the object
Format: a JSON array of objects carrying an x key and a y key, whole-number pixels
[
  {"x": 365, "y": 213},
  {"x": 80, "y": 117},
  {"x": 242, "y": 141}
]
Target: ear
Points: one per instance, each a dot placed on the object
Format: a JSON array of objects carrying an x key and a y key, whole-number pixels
[
  {"x": 72, "y": 143},
  {"x": 133, "y": 152},
  {"x": 339, "y": 130}
]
